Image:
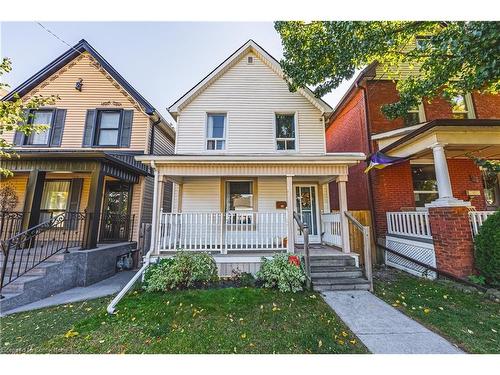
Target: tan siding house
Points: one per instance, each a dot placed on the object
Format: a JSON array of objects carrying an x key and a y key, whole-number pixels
[
  {"x": 86, "y": 158},
  {"x": 249, "y": 153}
]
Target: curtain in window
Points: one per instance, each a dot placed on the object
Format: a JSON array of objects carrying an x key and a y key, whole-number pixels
[
  {"x": 55, "y": 195},
  {"x": 41, "y": 118}
]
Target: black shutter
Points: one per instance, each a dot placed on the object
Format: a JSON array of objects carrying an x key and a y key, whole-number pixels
[
  {"x": 128, "y": 115},
  {"x": 19, "y": 136},
  {"x": 88, "y": 133},
  {"x": 74, "y": 201},
  {"x": 58, "y": 127}
]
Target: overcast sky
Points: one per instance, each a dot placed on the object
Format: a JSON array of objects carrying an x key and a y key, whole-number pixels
[{"x": 162, "y": 60}]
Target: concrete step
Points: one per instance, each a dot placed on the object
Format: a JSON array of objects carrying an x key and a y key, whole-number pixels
[
  {"x": 333, "y": 274},
  {"x": 332, "y": 261},
  {"x": 325, "y": 288},
  {"x": 340, "y": 280},
  {"x": 19, "y": 285}
]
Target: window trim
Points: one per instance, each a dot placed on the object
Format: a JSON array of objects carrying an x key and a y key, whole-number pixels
[
  {"x": 96, "y": 131},
  {"x": 296, "y": 131},
  {"x": 471, "y": 114},
  {"x": 421, "y": 114},
  {"x": 226, "y": 125},
  {"x": 418, "y": 163},
  {"x": 26, "y": 138},
  {"x": 40, "y": 209},
  {"x": 223, "y": 191}
]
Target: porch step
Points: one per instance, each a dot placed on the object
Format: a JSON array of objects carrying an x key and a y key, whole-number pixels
[
  {"x": 335, "y": 274},
  {"x": 20, "y": 284},
  {"x": 332, "y": 261},
  {"x": 331, "y": 287}
]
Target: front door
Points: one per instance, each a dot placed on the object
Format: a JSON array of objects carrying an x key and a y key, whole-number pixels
[
  {"x": 306, "y": 205},
  {"x": 115, "y": 219}
]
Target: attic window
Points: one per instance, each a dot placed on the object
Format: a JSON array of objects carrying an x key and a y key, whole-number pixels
[{"x": 250, "y": 60}]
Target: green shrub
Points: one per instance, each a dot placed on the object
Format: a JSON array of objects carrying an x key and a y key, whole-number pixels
[
  {"x": 282, "y": 272},
  {"x": 487, "y": 249},
  {"x": 184, "y": 270}
]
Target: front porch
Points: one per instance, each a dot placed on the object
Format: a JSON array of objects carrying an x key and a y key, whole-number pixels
[{"x": 244, "y": 206}]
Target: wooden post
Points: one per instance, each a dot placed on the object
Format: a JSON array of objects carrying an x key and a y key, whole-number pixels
[
  {"x": 289, "y": 213},
  {"x": 94, "y": 207},
  {"x": 344, "y": 224},
  {"x": 33, "y": 199}
]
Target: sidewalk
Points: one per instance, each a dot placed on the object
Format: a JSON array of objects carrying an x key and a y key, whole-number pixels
[
  {"x": 382, "y": 328},
  {"x": 103, "y": 288}
]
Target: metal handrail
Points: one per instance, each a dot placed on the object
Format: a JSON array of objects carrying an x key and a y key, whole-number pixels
[
  {"x": 365, "y": 230},
  {"x": 28, "y": 249},
  {"x": 305, "y": 230}
]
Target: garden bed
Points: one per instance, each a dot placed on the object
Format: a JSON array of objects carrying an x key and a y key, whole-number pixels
[{"x": 227, "y": 320}]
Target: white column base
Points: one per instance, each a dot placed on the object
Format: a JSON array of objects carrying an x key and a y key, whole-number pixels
[{"x": 447, "y": 202}]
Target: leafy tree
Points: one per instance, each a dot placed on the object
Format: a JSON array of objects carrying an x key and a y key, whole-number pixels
[
  {"x": 453, "y": 58},
  {"x": 14, "y": 118}
]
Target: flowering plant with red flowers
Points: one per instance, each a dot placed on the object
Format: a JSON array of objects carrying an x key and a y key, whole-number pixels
[{"x": 294, "y": 259}]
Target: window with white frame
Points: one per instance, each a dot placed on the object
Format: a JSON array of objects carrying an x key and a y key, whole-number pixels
[
  {"x": 412, "y": 116},
  {"x": 216, "y": 131},
  {"x": 40, "y": 118},
  {"x": 461, "y": 107},
  {"x": 285, "y": 132},
  {"x": 424, "y": 184}
]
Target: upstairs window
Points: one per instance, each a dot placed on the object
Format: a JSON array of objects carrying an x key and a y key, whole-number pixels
[
  {"x": 216, "y": 131},
  {"x": 285, "y": 132},
  {"x": 108, "y": 128},
  {"x": 461, "y": 107},
  {"x": 414, "y": 116},
  {"x": 422, "y": 42},
  {"x": 40, "y": 117}
]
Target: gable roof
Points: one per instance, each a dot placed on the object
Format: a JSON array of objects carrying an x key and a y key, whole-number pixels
[
  {"x": 65, "y": 58},
  {"x": 270, "y": 61}
]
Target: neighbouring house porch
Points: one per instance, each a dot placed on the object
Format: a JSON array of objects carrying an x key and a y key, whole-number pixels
[{"x": 244, "y": 205}]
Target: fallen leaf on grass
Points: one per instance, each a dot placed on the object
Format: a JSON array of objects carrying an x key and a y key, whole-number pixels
[{"x": 71, "y": 333}]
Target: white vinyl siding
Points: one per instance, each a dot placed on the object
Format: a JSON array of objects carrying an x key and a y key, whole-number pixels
[
  {"x": 201, "y": 194},
  {"x": 250, "y": 95}
]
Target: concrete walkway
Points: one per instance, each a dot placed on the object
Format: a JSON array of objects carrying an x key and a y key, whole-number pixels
[
  {"x": 382, "y": 328},
  {"x": 103, "y": 288}
]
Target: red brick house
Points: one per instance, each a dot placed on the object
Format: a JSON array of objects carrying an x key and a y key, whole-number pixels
[{"x": 435, "y": 139}]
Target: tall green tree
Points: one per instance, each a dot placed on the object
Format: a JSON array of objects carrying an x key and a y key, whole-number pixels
[
  {"x": 454, "y": 57},
  {"x": 13, "y": 117}
]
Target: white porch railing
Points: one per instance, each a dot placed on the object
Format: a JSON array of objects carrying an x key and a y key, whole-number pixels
[
  {"x": 332, "y": 232},
  {"x": 477, "y": 219},
  {"x": 217, "y": 231},
  {"x": 412, "y": 224}
]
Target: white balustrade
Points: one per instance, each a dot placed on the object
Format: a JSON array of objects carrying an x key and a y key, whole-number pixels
[
  {"x": 477, "y": 218},
  {"x": 332, "y": 229},
  {"x": 411, "y": 224},
  {"x": 217, "y": 231}
]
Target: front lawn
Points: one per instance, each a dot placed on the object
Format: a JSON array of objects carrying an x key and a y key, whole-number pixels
[
  {"x": 466, "y": 319},
  {"x": 231, "y": 320}
]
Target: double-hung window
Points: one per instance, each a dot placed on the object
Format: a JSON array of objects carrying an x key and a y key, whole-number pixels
[
  {"x": 285, "y": 132},
  {"x": 461, "y": 107},
  {"x": 424, "y": 184},
  {"x": 414, "y": 115},
  {"x": 216, "y": 131},
  {"x": 108, "y": 128},
  {"x": 38, "y": 118},
  {"x": 55, "y": 198}
]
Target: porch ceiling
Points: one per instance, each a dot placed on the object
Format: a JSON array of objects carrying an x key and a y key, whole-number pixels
[
  {"x": 479, "y": 137},
  {"x": 253, "y": 165}
]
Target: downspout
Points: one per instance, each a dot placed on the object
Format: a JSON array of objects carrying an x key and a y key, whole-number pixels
[
  {"x": 370, "y": 151},
  {"x": 147, "y": 258}
]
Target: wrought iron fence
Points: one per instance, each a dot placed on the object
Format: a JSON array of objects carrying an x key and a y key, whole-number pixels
[
  {"x": 26, "y": 250},
  {"x": 11, "y": 223},
  {"x": 116, "y": 227}
]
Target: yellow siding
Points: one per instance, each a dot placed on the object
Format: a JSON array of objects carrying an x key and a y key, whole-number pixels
[
  {"x": 136, "y": 207},
  {"x": 84, "y": 197},
  {"x": 250, "y": 94},
  {"x": 402, "y": 71},
  {"x": 18, "y": 182},
  {"x": 201, "y": 194},
  {"x": 271, "y": 190},
  {"x": 99, "y": 91}
]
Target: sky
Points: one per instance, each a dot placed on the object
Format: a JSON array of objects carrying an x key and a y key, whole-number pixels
[{"x": 162, "y": 60}]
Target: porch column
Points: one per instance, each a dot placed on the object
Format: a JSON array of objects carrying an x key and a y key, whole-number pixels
[
  {"x": 289, "y": 213},
  {"x": 443, "y": 180},
  {"x": 344, "y": 224},
  {"x": 156, "y": 213},
  {"x": 94, "y": 208},
  {"x": 33, "y": 199}
]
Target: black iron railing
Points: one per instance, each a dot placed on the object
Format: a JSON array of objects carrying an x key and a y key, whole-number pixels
[
  {"x": 26, "y": 250},
  {"x": 116, "y": 227},
  {"x": 11, "y": 223}
]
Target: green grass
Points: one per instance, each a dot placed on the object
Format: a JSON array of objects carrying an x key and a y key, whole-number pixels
[
  {"x": 232, "y": 320},
  {"x": 467, "y": 319}
]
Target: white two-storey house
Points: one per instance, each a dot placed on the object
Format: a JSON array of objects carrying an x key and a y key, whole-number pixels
[{"x": 249, "y": 153}]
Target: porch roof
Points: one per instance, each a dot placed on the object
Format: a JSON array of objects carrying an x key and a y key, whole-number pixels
[
  {"x": 460, "y": 136},
  {"x": 333, "y": 164}
]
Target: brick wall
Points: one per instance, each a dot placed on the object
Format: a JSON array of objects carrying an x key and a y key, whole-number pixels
[
  {"x": 380, "y": 93},
  {"x": 452, "y": 239},
  {"x": 465, "y": 175},
  {"x": 486, "y": 105},
  {"x": 392, "y": 190},
  {"x": 347, "y": 133}
]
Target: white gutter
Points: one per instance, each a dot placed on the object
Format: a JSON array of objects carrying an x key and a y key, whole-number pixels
[{"x": 147, "y": 258}]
